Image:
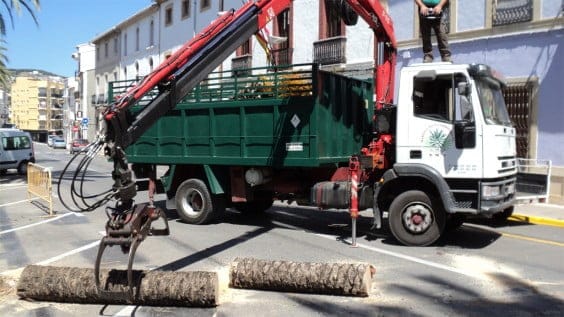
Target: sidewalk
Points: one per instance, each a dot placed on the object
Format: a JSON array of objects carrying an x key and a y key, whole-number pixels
[{"x": 539, "y": 213}]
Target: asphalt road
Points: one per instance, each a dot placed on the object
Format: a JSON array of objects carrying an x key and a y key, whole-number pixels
[{"x": 480, "y": 269}]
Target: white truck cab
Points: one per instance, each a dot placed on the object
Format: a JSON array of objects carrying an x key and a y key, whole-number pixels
[
  {"x": 455, "y": 125},
  {"x": 16, "y": 150}
]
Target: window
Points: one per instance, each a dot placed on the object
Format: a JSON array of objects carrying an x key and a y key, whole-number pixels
[
  {"x": 152, "y": 33},
  {"x": 244, "y": 49},
  {"x": 512, "y": 11},
  {"x": 168, "y": 16},
  {"x": 151, "y": 64},
  {"x": 282, "y": 51},
  {"x": 433, "y": 99},
  {"x": 333, "y": 24},
  {"x": 204, "y": 5},
  {"x": 106, "y": 45},
  {"x": 16, "y": 143},
  {"x": 97, "y": 53},
  {"x": 137, "y": 39},
  {"x": 185, "y": 10},
  {"x": 125, "y": 44},
  {"x": 116, "y": 46}
]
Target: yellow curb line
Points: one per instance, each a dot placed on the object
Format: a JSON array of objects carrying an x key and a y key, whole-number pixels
[{"x": 538, "y": 220}]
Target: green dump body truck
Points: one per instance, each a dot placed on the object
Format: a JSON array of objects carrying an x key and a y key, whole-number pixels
[{"x": 244, "y": 138}]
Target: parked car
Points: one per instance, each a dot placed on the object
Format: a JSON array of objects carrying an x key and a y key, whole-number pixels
[
  {"x": 78, "y": 145},
  {"x": 16, "y": 150},
  {"x": 50, "y": 139},
  {"x": 59, "y": 143}
]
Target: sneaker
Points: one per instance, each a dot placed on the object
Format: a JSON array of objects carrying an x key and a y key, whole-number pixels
[
  {"x": 428, "y": 59},
  {"x": 446, "y": 59}
]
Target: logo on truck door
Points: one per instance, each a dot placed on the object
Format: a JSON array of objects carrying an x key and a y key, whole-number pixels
[{"x": 439, "y": 138}]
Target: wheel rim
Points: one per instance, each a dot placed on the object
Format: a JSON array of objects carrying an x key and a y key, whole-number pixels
[
  {"x": 417, "y": 218},
  {"x": 193, "y": 202}
]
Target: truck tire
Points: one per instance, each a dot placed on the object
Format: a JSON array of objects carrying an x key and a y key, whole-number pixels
[
  {"x": 22, "y": 168},
  {"x": 413, "y": 221},
  {"x": 194, "y": 203}
]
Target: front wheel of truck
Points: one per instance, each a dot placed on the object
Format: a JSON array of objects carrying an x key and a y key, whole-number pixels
[
  {"x": 195, "y": 204},
  {"x": 413, "y": 219}
]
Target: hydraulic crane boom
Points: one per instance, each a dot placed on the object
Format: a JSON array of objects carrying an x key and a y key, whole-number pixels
[{"x": 129, "y": 224}]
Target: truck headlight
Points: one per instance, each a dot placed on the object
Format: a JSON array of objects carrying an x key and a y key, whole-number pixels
[{"x": 490, "y": 191}]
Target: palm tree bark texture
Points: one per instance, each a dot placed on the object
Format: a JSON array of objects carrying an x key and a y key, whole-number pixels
[
  {"x": 155, "y": 288},
  {"x": 350, "y": 279}
]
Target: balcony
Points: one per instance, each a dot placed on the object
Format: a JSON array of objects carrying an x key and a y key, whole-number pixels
[
  {"x": 512, "y": 11},
  {"x": 282, "y": 56},
  {"x": 241, "y": 62},
  {"x": 330, "y": 51}
]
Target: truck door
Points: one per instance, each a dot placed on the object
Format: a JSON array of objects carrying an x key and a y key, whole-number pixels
[{"x": 442, "y": 127}]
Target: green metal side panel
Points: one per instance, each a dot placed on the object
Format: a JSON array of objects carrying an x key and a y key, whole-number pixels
[{"x": 323, "y": 125}]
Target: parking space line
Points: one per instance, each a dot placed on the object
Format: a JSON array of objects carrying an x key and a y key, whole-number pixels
[
  {"x": 18, "y": 202},
  {"x": 36, "y": 223},
  {"x": 409, "y": 258},
  {"x": 71, "y": 252}
]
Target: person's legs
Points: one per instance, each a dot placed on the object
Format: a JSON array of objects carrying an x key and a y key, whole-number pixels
[
  {"x": 425, "y": 28},
  {"x": 442, "y": 40}
]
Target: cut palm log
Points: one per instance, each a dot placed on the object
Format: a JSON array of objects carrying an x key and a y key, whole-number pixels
[
  {"x": 155, "y": 288},
  {"x": 302, "y": 277}
]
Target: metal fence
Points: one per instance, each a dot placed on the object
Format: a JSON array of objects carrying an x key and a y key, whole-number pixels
[{"x": 39, "y": 184}]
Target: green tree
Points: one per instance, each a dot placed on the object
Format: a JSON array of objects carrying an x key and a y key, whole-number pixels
[{"x": 8, "y": 9}]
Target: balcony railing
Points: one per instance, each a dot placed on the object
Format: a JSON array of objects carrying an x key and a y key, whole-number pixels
[
  {"x": 282, "y": 56},
  {"x": 241, "y": 62},
  {"x": 330, "y": 51},
  {"x": 512, "y": 11}
]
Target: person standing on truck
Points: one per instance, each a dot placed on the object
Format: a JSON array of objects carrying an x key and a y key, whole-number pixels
[{"x": 431, "y": 17}]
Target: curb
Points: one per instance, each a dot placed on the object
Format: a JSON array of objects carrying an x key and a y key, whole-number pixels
[{"x": 537, "y": 220}]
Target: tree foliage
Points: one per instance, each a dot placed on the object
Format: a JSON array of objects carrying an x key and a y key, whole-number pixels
[{"x": 7, "y": 10}]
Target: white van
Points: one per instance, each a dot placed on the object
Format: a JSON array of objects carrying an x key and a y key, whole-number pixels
[{"x": 16, "y": 150}]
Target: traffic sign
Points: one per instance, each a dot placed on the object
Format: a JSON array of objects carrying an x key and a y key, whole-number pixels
[{"x": 84, "y": 121}]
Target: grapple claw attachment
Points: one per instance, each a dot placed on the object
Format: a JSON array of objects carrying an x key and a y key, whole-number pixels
[{"x": 128, "y": 229}]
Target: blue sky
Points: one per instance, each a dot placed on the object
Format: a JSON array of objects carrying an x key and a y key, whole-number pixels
[{"x": 63, "y": 24}]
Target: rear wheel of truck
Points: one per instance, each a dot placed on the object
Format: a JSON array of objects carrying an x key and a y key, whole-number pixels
[
  {"x": 195, "y": 204},
  {"x": 414, "y": 221}
]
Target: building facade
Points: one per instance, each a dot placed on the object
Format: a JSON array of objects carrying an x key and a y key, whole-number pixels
[
  {"x": 524, "y": 41},
  {"x": 520, "y": 38},
  {"x": 37, "y": 103},
  {"x": 84, "y": 103}
]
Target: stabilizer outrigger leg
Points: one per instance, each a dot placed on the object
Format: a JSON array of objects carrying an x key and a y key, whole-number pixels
[{"x": 128, "y": 229}]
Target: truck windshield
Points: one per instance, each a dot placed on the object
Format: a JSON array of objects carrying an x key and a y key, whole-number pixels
[{"x": 493, "y": 104}]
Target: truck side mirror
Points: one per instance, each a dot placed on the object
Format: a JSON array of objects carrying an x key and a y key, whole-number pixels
[{"x": 464, "y": 134}]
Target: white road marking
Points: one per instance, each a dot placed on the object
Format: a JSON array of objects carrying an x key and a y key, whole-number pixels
[
  {"x": 37, "y": 223},
  {"x": 18, "y": 202},
  {"x": 12, "y": 186},
  {"x": 394, "y": 254},
  {"x": 71, "y": 252},
  {"x": 409, "y": 258}
]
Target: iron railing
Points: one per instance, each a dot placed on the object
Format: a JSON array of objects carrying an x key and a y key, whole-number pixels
[
  {"x": 330, "y": 51},
  {"x": 512, "y": 11}
]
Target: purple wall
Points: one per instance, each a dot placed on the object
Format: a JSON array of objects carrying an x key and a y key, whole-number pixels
[{"x": 522, "y": 56}]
